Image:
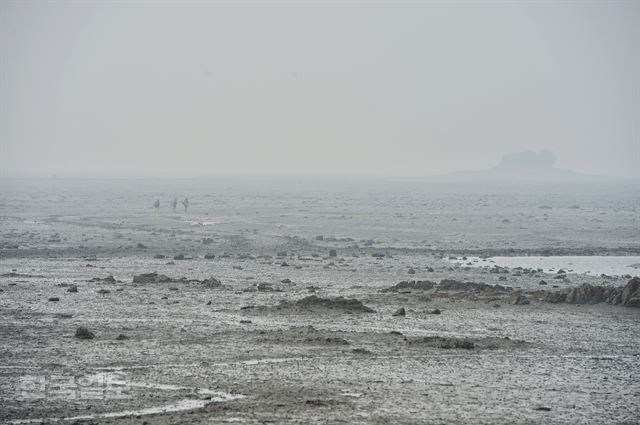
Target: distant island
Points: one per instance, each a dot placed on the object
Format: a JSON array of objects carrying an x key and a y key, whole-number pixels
[{"x": 520, "y": 166}]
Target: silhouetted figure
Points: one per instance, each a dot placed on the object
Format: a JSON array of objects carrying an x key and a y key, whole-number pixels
[
  {"x": 186, "y": 204},
  {"x": 174, "y": 204},
  {"x": 156, "y": 204}
]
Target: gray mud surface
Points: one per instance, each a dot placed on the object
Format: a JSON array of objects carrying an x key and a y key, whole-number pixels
[{"x": 277, "y": 328}]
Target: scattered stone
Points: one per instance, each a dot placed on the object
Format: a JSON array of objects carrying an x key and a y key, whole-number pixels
[
  {"x": 285, "y": 281},
  {"x": 209, "y": 302},
  {"x": 103, "y": 291},
  {"x": 141, "y": 246},
  {"x": 411, "y": 271},
  {"x": 543, "y": 409},
  {"x": 73, "y": 288},
  {"x": 542, "y": 282},
  {"x": 434, "y": 311},
  {"x": 363, "y": 351},
  {"x": 54, "y": 299},
  {"x": 209, "y": 256},
  {"x": 333, "y": 253},
  {"x": 84, "y": 333},
  {"x": 245, "y": 322},
  {"x": 122, "y": 337},
  {"x": 178, "y": 257},
  {"x": 159, "y": 256}
]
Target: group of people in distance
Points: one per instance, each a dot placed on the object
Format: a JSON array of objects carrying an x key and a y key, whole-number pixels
[{"x": 174, "y": 204}]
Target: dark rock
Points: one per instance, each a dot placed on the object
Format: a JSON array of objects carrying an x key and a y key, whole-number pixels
[
  {"x": 400, "y": 312},
  {"x": 333, "y": 253},
  {"x": 631, "y": 293},
  {"x": 542, "y": 282},
  {"x": 338, "y": 303},
  {"x": 158, "y": 256},
  {"x": 54, "y": 299},
  {"x": 212, "y": 282},
  {"x": 84, "y": 333},
  {"x": 103, "y": 291},
  {"x": 434, "y": 311},
  {"x": 207, "y": 241},
  {"x": 178, "y": 257},
  {"x": 455, "y": 285},
  {"x": 285, "y": 281},
  {"x": 209, "y": 256},
  {"x": 245, "y": 321},
  {"x": 411, "y": 271},
  {"x": 319, "y": 238},
  {"x": 284, "y": 264},
  {"x": 518, "y": 299},
  {"x": 122, "y": 337},
  {"x": 585, "y": 294},
  {"x": 209, "y": 302},
  {"x": 420, "y": 285},
  {"x": 378, "y": 255},
  {"x": 141, "y": 246},
  {"x": 151, "y": 278},
  {"x": 73, "y": 288}
]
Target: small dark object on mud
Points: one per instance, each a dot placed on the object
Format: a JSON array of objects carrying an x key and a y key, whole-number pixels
[
  {"x": 333, "y": 253},
  {"x": 178, "y": 257},
  {"x": 53, "y": 299},
  {"x": 448, "y": 343},
  {"x": 285, "y": 281},
  {"x": 361, "y": 351},
  {"x": 158, "y": 256},
  {"x": 284, "y": 264},
  {"x": 141, "y": 246},
  {"x": 64, "y": 315},
  {"x": 411, "y": 271},
  {"x": 434, "y": 311},
  {"x": 209, "y": 256},
  {"x": 207, "y": 241},
  {"x": 173, "y": 288},
  {"x": 84, "y": 333},
  {"x": 378, "y": 255},
  {"x": 73, "y": 288},
  {"x": 209, "y": 303},
  {"x": 247, "y": 307},
  {"x": 400, "y": 312},
  {"x": 543, "y": 409},
  {"x": 542, "y": 282},
  {"x": 103, "y": 291},
  {"x": 122, "y": 337},
  {"x": 245, "y": 322}
]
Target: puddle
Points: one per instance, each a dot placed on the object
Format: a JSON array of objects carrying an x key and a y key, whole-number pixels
[
  {"x": 182, "y": 405},
  {"x": 589, "y": 265},
  {"x": 179, "y": 406}
]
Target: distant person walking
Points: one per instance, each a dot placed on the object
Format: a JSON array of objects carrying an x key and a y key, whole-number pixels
[
  {"x": 174, "y": 204},
  {"x": 156, "y": 205},
  {"x": 186, "y": 204}
]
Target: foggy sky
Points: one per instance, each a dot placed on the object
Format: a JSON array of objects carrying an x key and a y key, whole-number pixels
[{"x": 307, "y": 88}]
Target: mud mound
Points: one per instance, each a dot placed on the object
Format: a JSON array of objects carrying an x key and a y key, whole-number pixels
[
  {"x": 339, "y": 303},
  {"x": 417, "y": 285}
]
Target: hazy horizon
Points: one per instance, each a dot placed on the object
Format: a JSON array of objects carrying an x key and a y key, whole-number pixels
[{"x": 397, "y": 89}]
